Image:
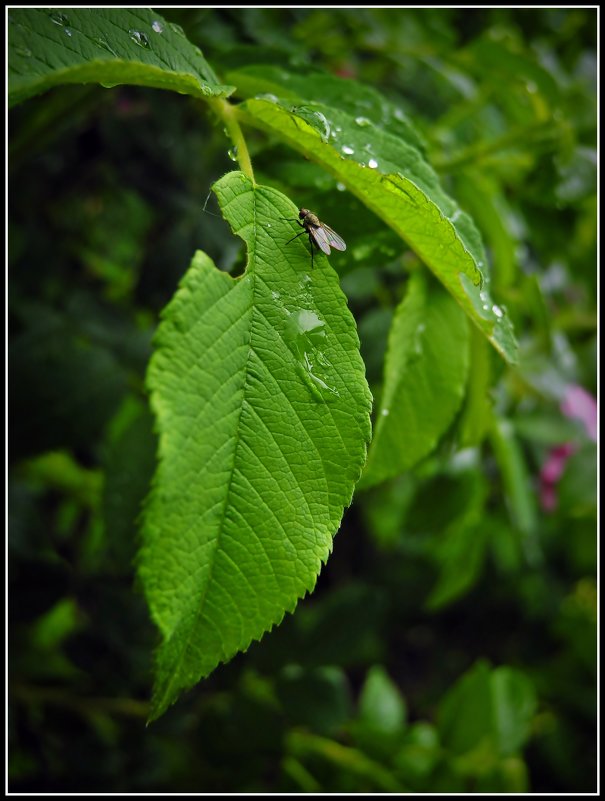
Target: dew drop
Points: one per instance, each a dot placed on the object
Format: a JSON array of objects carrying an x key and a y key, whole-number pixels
[
  {"x": 347, "y": 150},
  {"x": 177, "y": 29},
  {"x": 267, "y": 96},
  {"x": 341, "y": 187},
  {"x": 139, "y": 38},
  {"x": 157, "y": 26},
  {"x": 232, "y": 153},
  {"x": 68, "y": 32},
  {"x": 305, "y": 335},
  {"x": 362, "y": 121},
  {"x": 497, "y": 311},
  {"x": 385, "y": 412},
  {"x": 373, "y": 163},
  {"x": 21, "y": 50},
  {"x": 59, "y": 19},
  {"x": 99, "y": 40}
]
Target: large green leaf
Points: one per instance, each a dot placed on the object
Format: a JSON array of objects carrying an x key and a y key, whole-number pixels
[
  {"x": 263, "y": 415},
  {"x": 391, "y": 178},
  {"x": 110, "y": 46},
  {"x": 425, "y": 375}
]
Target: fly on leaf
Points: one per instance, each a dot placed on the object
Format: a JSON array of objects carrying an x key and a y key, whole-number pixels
[{"x": 320, "y": 234}]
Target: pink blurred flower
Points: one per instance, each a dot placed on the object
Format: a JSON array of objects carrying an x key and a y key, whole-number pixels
[{"x": 579, "y": 405}]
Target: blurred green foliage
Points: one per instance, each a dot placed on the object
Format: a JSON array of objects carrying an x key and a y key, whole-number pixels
[{"x": 450, "y": 645}]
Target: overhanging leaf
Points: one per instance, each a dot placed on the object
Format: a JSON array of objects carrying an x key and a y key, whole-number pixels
[
  {"x": 393, "y": 180},
  {"x": 263, "y": 415},
  {"x": 48, "y": 47}
]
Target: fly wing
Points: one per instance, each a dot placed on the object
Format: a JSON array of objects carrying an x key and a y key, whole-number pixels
[
  {"x": 320, "y": 237},
  {"x": 336, "y": 241}
]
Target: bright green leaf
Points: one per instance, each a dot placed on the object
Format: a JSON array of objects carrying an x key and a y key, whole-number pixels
[
  {"x": 263, "y": 415},
  {"x": 425, "y": 375},
  {"x": 381, "y": 705},
  {"x": 110, "y": 46},
  {"x": 392, "y": 179},
  {"x": 514, "y": 703}
]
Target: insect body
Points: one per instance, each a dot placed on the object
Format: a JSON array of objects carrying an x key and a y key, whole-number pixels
[{"x": 320, "y": 234}]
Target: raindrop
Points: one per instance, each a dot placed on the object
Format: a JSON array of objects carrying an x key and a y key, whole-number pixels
[
  {"x": 267, "y": 96},
  {"x": 232, "y": 153},
  {"x": 325, "y": 134},
  {"x": 157, "y": 26},
  {"x": 267, "y": 225},
  {"x": 340, "y": 186},
  {"x": 497, "y": 311},
  {"x": 104, "y": 44},
  {"x": 362, "y": 121},
  {"x": 177, "y": 29},
  {"x": 59, "y": 19},
  {"x": 347, "y": 150},
  {"x": 385, "y": 412},
  {"x": 373, "y": 163},
  {"x": 305, "y": 334},
  {"x": 139, "y": 38},
  {"x": 67, "y": 31}
]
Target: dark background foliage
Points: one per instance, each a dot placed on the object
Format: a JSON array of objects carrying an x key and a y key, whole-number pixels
[{"x": 376, "y": 682}]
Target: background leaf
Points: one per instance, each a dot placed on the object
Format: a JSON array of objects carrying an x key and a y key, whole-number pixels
[
  {"x": 263, "y": 413},
  {"x": 425, "y": 375}
]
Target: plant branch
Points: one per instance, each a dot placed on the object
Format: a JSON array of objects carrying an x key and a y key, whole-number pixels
[{"x": 228, "y": 115}]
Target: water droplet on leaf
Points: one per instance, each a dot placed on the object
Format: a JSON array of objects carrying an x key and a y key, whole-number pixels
[
  {"x": 177, "y": 29},
  {"x": 157, "y": 26},
  {"x": 99, "y": 40},
  {"x": 58, "y": 18},
  {"x": 139, "y": 38},
  {"x": 347, "y": 150},
  {"x": 305, "y": 335}
]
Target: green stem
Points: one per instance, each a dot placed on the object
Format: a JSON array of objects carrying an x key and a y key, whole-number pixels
[
  {"x": 228, "y": 115},
  {"x": 59, "y": 697}
]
